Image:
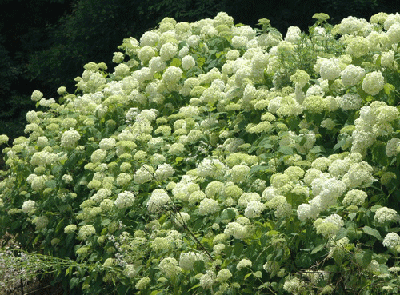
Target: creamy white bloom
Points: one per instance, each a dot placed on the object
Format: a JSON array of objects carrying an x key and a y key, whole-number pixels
[
  {"x": 351, "y": 75},
  {"x": 124, "y": 200},
  {"x": 28, "y": 207},
  {"x": 254, "y": 209},
  {"x": 70, "y": 138},
  {"x": 391, "y": 240},
  {"x": 158, "y": 199},
  {"x": 187, "y": 260},
  {"x": 107, "y": 143},
  {"x": 393, "y": 147},
  {"x": 169, "y": 266},
  {"x": 384, "y": 215},
  {"x": 188, "y": 62},
  {"x": 373, "y": 83},
  {"x": 244, "y": 263},
  {"x": 354, "y": 197},
  {"x": 208, "y": 206},
  {"x": 85, "y": 231}
]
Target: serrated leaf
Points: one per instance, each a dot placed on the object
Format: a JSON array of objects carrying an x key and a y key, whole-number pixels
[{"x": 372, "y": 232}]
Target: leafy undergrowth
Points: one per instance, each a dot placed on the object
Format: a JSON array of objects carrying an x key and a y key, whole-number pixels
[{"x": 217, "y": 159}]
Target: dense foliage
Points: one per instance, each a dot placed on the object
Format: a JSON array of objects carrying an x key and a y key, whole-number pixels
[{"x": 218, "y": 159}]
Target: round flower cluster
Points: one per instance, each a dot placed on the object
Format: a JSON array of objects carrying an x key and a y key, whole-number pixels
[
  {"x": 85, "y": 231},
  {"x": 28, "y": 207},
  {"x": 124, "y": 200},
  {"x": 158, "y": 199},
  {"x": 329, "y": 226},
  {"x": 385, "y": 215},
  {"x": 373, "y": 83},
  {"x": 169, "y": 266},
  {"x": 391, "y": 240},
  {"x": 70, "y": 138}
]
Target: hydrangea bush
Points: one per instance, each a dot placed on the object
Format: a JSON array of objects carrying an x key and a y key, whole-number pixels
[{"x": 219, "y": 159}]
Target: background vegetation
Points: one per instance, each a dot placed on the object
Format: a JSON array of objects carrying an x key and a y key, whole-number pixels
[{"x": 45, "y": 43}]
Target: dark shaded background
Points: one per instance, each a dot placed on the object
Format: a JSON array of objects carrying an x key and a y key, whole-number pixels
[{"x": 45, "y": 43}]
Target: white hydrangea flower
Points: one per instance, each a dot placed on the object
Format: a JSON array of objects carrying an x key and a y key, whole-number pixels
[
  {"x": 211, "y": 168},
  {"x": 358, "y": 46},
  {"x": 36, "y": 95},
  {"x": 171, "y": 76},
  {"x": 40, "y": 222},
  {"x": 164, "y": 172},
  {"x": 293, "y": 34},
  {"x": 239, "y": 41},
  {"x": 215, "y": 188},
  {"x": 187, "y": 260},
  {"x": 70, "y": 138},
  {"x": 373, "y": 83},
  {"x": 146, "y": 53},
  {"x": 144, "y": 174},
  {"x": 208, "y": 206},
  {"x": 28, "y": 207},
  {"x": 350, "y": 101},
  {"x": 149, "y": 38},
  {"x": 142, "y": 283},
  {"x": 156, "y": 64},
  {"x": 168, "y": 51},
  {"x": 329, "y": 68},
  {"x": 394, "y": 33},
  {"x": 254, "y": 209},
  {"x": 188, "y": 62},
  {"x": 244, "y": 263},
  {"x": 107, "y": 143},
  {"x": 239, "y": 173},
  {"x": 71, "y": 228},
  {"x": 224, "y": 275},
  {"x": 98, "y": 156},
  {"x": 354, "y": 197},
  {"x": 329, "y": 226},
  {"x": 384, "y": 215},
  {"x": 207, "y": 279},
  {"x": 293, "y": 285},
  {"x": 169, "y": 266},
  {"x": 158, "y": 199},
  {"x": 85, "y": 231},
  {"x": 391, "y": 240},
  {"x": 237, "y": 230},
  {"x": 245, "y": 198},
  {"x": 351, "y": 75},
  {"x": 393, "y": 147},
  {"x": 124, "y": 200}
]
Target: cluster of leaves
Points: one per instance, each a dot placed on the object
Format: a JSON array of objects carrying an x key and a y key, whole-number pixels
[{"x": 189, "y": 167}]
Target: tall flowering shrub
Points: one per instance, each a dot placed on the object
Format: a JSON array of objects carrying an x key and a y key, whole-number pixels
[{"x": 219, "y": 159}]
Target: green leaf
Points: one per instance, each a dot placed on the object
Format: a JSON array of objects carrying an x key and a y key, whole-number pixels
[
  {"x": 352, "y": 215},
  {"x": 388, "y": 88},
  {"x": 287, "y": 150},
  {"x": 364, "y": 258},
  {"x": 372, "y": 232},
  {"x": 318, "y": 248},
  {"x": 198, "y": 266},
  {"x": 238, "y": 248},
  {"x": 228, "y": 214}
]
